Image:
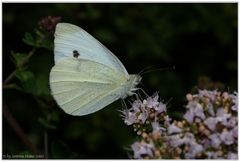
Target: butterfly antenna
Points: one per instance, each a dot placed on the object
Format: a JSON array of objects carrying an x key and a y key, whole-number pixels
[
  {"x": 141, "y": 83},
  {"x": 146, "y": 68},
  {"x": 160, "y": 69}
]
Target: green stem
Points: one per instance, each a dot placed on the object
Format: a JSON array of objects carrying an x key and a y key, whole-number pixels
[
  {"x": 11, "y": 86},
  {"x": 21, "y": 134},
  {"x": 7, "y": 114},
  {"x": 46, "y": 144},
  {"x": 11, "y": 76}
]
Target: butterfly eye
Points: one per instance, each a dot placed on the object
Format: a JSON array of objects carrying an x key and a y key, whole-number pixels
[{"x": 75, "y": 54}]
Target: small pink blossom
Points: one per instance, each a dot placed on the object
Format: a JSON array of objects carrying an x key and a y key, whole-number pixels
[
  {"x": 141, "y": 148},
  {"x": 129, "y": 117},
  {"x": 156, "y": 127},
  {"x": 211, "y": 122},
  {"x": 234, "y": 98},
  {"x": 173, "y": 129},
  {"x": 210, "y": 94},
  {"x": 160, "y": 108},
  {"x": 227, "y": 137},
  {"x": 232, "y": 156},
  {"x": 152, "y": 101},
  {"x": 215, "y": 141}
]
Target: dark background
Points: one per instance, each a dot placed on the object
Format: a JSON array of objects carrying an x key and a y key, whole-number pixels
[{"x": 198, "y": 39}]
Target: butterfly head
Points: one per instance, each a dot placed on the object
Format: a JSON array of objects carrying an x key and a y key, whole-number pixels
[
  {"x": 131, "y": 84},
  {"x": 135, "y": 80}
]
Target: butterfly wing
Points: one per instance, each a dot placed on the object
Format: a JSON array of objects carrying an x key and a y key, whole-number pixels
[
  {"x": 81, "y": 87},
  {"x": 70, "y": 37}
]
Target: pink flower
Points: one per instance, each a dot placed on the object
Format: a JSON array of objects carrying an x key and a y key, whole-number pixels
[
  {"x": 156, "y": 127},
  {"x": 143, "y": 116},
  {"x": 235, "y": 131},
  {"x": 210, "y": 94},
  {"x": 160, "y": 108},
  {"x": 206, "y": 143},
  {"x": 189, "y": 139},
  {"x": 222, "y": 116},
  {"x": 211, "y": 122},
  {"x": 227, "y": 137},
  {"x": 189, "y": 115},
  {"x": 234, "y": 98},
  {"x": 173, "y": 129},
  {"x": 49, "y": 23},
  {"x": 175, "y": 140},
  {"x": 232, "y": 122},
  {"x": 142, "y": 148},
  {"x": 195, "y": 110},
  {"x": 194, "y": 150},
  {"x": 129, "y": 117},
  {"x": 215, "y": 141},
  {"x": 136, "y": 105},
  {"x": 210, "y": 109},
  {"x": 232, "y": 155},
  {"x": 198, "y": 111},
  {"x": 152, "y": 101}
]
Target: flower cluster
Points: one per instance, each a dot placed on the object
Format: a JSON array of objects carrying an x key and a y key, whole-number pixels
[
  {"x": 49, "y": 23},
  {"x": 149, "y": 119},
  {"x": 209, "y": 129}
]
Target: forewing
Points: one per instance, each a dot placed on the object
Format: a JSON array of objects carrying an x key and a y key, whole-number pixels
[
  {"x": 69, "y": 37},
  {"x": 82, "y": 87}
]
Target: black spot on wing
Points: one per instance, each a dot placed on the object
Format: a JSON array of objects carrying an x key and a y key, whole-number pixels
[{"x": 76, "y": 54}]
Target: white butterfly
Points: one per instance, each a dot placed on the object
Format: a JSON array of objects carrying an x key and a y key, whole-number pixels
[{"x": 86, "y": 76}]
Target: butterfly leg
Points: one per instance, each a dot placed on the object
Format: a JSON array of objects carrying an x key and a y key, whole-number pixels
[
  {"x": 139, "y": 95},
  {"x": 124, "y": 105},
  {"x": 143, "y": 92}
]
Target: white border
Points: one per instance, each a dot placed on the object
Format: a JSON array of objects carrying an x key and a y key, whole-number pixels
[{"x": 121, "y": 1}]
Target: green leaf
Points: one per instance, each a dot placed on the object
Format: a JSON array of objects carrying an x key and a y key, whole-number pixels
[
  {"x": 42, "y": 85},
  {"x": 46, "y": 124},
  {"x": 24, "y": 75},
  {"x": 29, "y": 40},
  {"x": 47, "y": 43},
  {"x": 39, "y": 41},
  {"x": 55, "y": 116},
  {"x": 18, "y": 58},
  {"x": 27, "y": 80}
]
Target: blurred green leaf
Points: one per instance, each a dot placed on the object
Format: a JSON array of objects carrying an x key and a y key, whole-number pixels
[
  {"x": 27, "y": 80},
  {"x": 43, "y": 85},
  {"x": 54, "y": 116},
  {"x": 29, "y": 40},
  {"x": 46, "y": 123},
  {"x": 47, "y": 43},
  {"x": 18, "y": 58}
]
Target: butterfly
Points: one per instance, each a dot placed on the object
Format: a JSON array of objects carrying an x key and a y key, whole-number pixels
[{"x": 86, "y": 76}]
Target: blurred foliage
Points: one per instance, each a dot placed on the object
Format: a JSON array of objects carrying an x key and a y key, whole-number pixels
[{"x": 198, "y": 39}]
